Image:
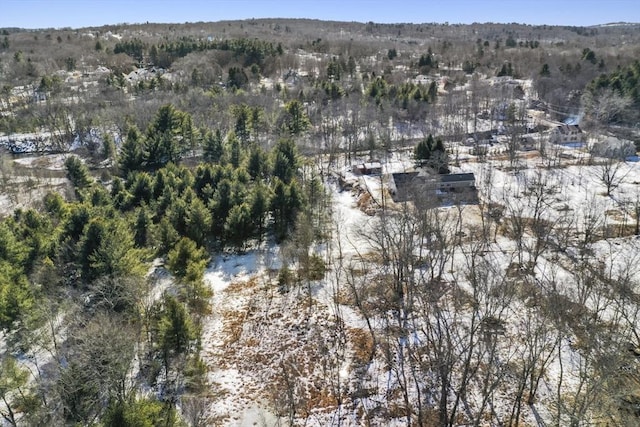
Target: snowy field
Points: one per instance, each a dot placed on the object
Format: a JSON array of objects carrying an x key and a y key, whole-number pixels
[
  {"x": 262, "y": 343},
  {"x": 340, "y": 350}
]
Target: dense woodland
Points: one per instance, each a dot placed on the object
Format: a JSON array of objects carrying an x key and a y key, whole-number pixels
[{"x": 186, "y": 143}]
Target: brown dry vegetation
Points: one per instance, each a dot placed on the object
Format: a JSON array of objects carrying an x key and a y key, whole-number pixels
[{"x": 362, "y": 344}]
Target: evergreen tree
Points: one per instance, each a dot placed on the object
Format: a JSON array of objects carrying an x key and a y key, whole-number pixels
[
  {"x": 55, "y": 206},
  {"x": 237, "y": 78},
  {"x": 256, "y": 121},
  {"x": 108, "y": 249},
  {"x": 92, "y": 237},
  {"x": 99, "y": 196},
  {"x": 16, "y": 295},
  {"x": 166, "y": 236},
  {"x": 77, "y": 172},
  {"x": 140, "y": 185},
  {"x": 198, "y": 221},
  {"x": 426, "y": 61},
  {"x": 506, "y": 70},
  {"x": 296, "y": 120},
  {"x": 131, "y": 155},
  {"x": 108, "y": 146},
  {"x": 440, "y": 158},
  {"x": 242, "y": 128},
  {"x": 77, "y": 219},
  {"x": 286, "y": 202},
  {"x": 285, "y": 160},
  {"x": 233, "y": 150},
  {"x": 185, "y": 252},
  {"x": 257, "y": 166},
  {"x": 190, "y": 137},
  {"x": 12, "y": 249},
  {"x": 239, "y": 226},
  {"x": 589, "y": 55},
  {"x": 544, "y": 72},
  {"x": 188, "y": 262},
  {"x": 220, "y": 206},
  {"x": 165, "y": 141},
  {"x": 121, "y": 198},
  {"x": 141, "y": 228},
  {"x": 259, "y": 209},
  {"x": 422, "y": 151},
  {"x": 177, "y": 213},
  {"x": 145, "y": 412},
  {"x": 213, "y": 146},
  {"x": 176, "y": 332}
]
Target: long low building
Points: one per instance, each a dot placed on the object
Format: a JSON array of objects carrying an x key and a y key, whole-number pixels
[
  {"x": 412, "y": 186},
  {"x": 457, "y": 180}
]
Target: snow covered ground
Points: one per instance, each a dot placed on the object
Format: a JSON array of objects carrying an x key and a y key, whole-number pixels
[
  {"x": 262, "y": 343},
  {"x": 300, "y": 353}
]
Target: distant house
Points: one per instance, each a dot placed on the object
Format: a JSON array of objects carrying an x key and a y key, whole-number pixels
[
  {"x": 499, "y": 112},
  {"x": 291, "y": 77},
  {"x": 527, "y": 143},
  {"x": 480, "y": 149},
  {"x": 536, "y": 104},
  {"x": 371, "y": 168},
  {"x": 39, "y": 96},
  {"x": 566, "y": 134},
  {"x": 614, "y": 148},
  {"x": 480, "y": 137},
  {"x": 421, "y": 79}
]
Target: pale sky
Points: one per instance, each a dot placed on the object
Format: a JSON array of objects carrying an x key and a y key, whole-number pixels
[{"x": 83, "y": 13}]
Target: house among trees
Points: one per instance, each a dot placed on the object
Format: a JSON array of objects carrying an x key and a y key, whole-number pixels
[
  {"x": 527, "y": 143},
  {"x": 403, "y": 186},
  {"x": 421, "y": 79},
  {"x": 370, "y": 168},
  {"x": 566, "y": 134},
  {"x": 416, "y": 186},
  {"x": 457, "y": 181},
  {"x": 481, "y": 137},
  {"x": 613, "y": 147}
]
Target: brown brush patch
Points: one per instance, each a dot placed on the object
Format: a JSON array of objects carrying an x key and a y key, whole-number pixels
[
  {"x": 242, "y": 286},
  {"x": 344, "y": 297},
  {"x": 362, "y": 344},
  {"x": 618, "y": 230},
  {"x": 373, "y": 257},
  {"x": 397, "y": 410},
  {"x": 321, "y": 399},
  {"x": 221, "y": 420},
  {"x": 233, "y": 323},
  {"x": 615, "y": 214}
]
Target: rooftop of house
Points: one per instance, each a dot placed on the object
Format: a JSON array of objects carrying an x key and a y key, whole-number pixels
[
  {"x": 568, "y": 129},
  {"x": 458, "y": 177},
  {"x": 402, "y": 177}
]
